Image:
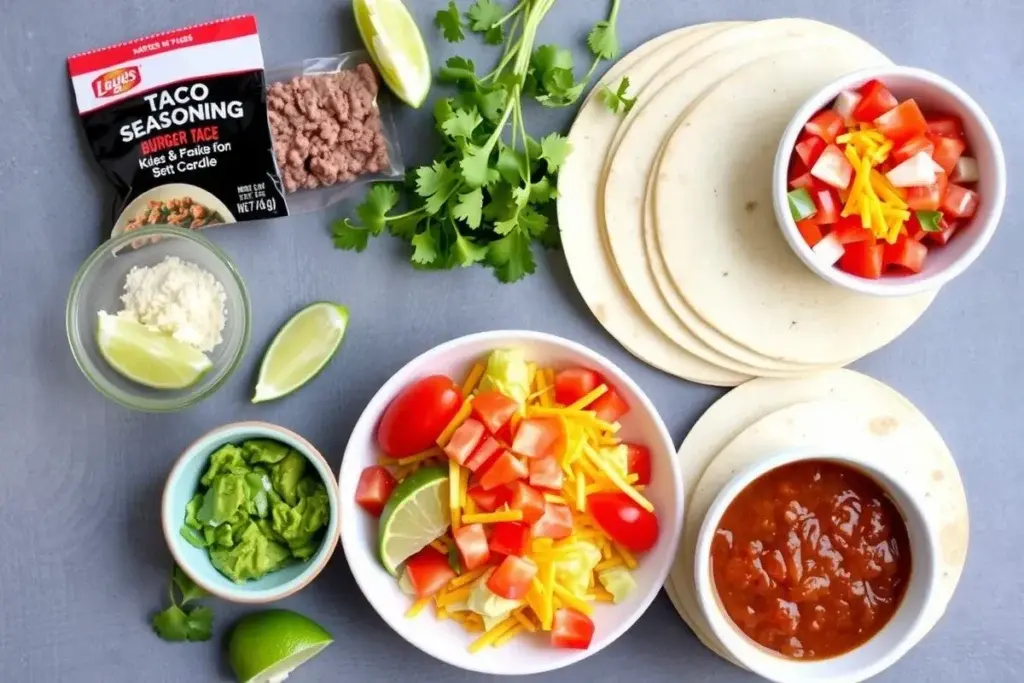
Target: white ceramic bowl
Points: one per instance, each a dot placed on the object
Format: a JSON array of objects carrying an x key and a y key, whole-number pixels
[
  {"x": 874, "y": 656},
  {"x": 445, "y": 640},
  {"x": 934, "y": 94}
]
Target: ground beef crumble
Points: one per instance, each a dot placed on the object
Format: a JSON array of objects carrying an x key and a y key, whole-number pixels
[{"x": 326, "y": 128}]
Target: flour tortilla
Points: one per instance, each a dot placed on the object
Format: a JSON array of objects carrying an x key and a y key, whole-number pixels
[
  {"x": 582, "y": 236},
  {"x": 769, "y": 301},
  {"x": 766, "y": 416},
  {"x": 673, "y": 91}
]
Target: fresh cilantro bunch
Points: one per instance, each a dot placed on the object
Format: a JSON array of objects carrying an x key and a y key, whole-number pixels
[
  {"x": 487, "y": 195},
  {"x": 177, "y": 623}
]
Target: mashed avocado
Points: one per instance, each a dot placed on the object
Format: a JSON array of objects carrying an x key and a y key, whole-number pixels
[
  {"x": 257, "y": 509},
  {"x": 508, "y": 373}
]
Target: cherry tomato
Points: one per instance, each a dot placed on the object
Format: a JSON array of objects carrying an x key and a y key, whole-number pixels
[
  {"x": 638, "y": 462},
  {"x": 505, "y": 469},
  {"x": 510, "y": 538},
  {"x": 512, "y": 578},
  {"x": 524, "y": 497},
  {"x": 374, "y": 488},
  {"x": 555, "y": 523},
  {"x": 571, "y": 630},
  {"x": 494, "y": 409},
  {"x": 464, "y": 441},
  {"x": 472, "y": 544},
  {"x": 428, "y": 572},
  {"x": 573, "y": 384},
  {"x": 623, "y": 520},
  {"x": 538, "y": 437},
  {"x": 417, "y": 416},
  {"x": 546, "y": 473}
]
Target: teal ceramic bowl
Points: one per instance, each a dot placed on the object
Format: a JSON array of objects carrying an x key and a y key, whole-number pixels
[{"x": 182, "y": 484}]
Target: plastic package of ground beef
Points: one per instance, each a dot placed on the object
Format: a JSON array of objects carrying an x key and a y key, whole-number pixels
[{"x": 331, "y": 129}]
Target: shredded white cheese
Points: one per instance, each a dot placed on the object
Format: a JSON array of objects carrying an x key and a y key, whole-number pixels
[{"x": 177, "y": 298}]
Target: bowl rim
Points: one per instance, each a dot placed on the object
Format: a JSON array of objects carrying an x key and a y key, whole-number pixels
[
  {"x": 370, "y": 416},
  {"x": 740, "y": 646},
  {"x": 255, "y": 429},
  {"x": 995, "y": 196},
  {"x": 75, "y": 337}
]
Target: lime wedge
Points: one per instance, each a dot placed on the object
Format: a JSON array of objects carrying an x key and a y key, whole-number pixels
[
  {"x": 396, "y": 46},
  {"x": 415, "y": 515},
  {"x": 301, "y": 349},
  {"x": 265, "y": 647},
  {"x": 148, "y": 357}
]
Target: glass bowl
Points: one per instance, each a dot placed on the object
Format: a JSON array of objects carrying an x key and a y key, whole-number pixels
[{"x": 98, "y": 286}]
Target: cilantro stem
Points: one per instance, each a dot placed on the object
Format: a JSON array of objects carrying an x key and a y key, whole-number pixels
[
  {"x": 593, "y": 68},
  {"x": 407, "y": 214},
  {"x": 614, "y": 14},
  {"x": 518, "y": 8}
]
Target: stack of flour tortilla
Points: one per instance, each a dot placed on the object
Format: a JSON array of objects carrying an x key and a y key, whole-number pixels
[
  {"x": 666, "y": 211},
  {"x": 838, "y": 410}
]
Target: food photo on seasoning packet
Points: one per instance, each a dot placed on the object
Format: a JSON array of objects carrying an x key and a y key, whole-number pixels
[{"x": 511, "y": 502}]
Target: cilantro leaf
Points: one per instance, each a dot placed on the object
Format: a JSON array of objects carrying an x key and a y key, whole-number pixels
[
  {"x": 405, "y": 227},
  {"x": 435, "y": 184},
  {"x": 373, "y": 211},
  {"x": 495, "y": 35},
  {"x": 511, "y": 164},
  {"x": 602, "y": 41},
  {"x": 930, "y": 220},
  {"x": 542, "y": 191},
  {"x": 468, "y": 252},
  {"x": 171, "y": 624},
  {"x": 475, "y": 166},
  {"x": 186, "y": 586},
  {"x": 457, "y": 70},
  {"x": 506, "y": 226},
  {"x": 462, "y": 123},
  {"x": 450, "y": 22},
  {"x": 424, "y": 248},
  {"x": 618, "y": 99},
  {"x": 548, "y": 57},
  {"x": 554, "y": 149},
  {"x": 532, "y": 221},
  {"x": 469, "y": 207},
  {"x": 348, "y": 236},
  {"x": 483, "y": 15},
  {"x": 443, "y": 112},
  {"x": 511, "y": 257}
]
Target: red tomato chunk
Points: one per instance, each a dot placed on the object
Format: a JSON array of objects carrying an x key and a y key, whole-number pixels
[
  {"x": 464, "y": 441},
  {"x": 494, "y": 409},
  {"x": 510, "y": 538},
  {"x": 428, "y": 572},
  {"x": 374, "y": 488},
  {"x": 472, "y": 544},
  {"x": 512, "y": 578},
  {"x": 573, "y": 384},
  {"x": 571, "y": 630}
]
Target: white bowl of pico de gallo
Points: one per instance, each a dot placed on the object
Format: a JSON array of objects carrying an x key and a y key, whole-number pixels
[
  {"x": 889, "y": 181},
  {"x": 511, "y": 503}
]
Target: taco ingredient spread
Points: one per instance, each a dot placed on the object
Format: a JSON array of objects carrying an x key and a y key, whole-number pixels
[
  {"x": 180, "y": 211},
  {"x": 811, "y": 560}
]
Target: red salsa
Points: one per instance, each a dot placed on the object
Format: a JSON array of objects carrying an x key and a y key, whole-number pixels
[{"x": 811, "y": 560}]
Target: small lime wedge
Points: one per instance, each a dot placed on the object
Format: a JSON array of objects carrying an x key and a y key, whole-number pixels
[
  {"x": 301, "y": 349},
  {"x": 265, "y": 647},
  {"x": 396, "y": 45},
  {"x": 148, "y": 357},
  {"x": 416, "y": 513}
]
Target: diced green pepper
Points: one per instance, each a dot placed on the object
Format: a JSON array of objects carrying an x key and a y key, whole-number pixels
[{"x": 801, "y": 205}]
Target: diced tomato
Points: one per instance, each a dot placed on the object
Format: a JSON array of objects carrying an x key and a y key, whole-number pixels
[
  {"x": 863, "y": 259},
  {"x": 947, "y": 151},
  {"x": 876, "y": 100},
  {"x": 571, "y": 630},
  {"x": 471, "y": 541},
  {"x": 638, "y": 462},
  {"x": 827, "y": 202},
  {"x": 946, "y": 125},
  {"x": 494, "y": 409},
  {"x": 524, "y": 497},
  {"x": 486, "y": 450},
  {"x": 428, "y": 572},
  {"x": 810, "y": 231},
  {"x": 491, "y": 500},
  {"x": 833, "y": 168},
  {"x": 809, "y": 148},
  {"x": 556, "y": 522},
  {"x": 849, "y": 229},
  {"x": 464, "y": 441},
  {"x": 902, "y": 122},
  {"x": 504, "y": 435},
  {"x": 610, "y": 406},
  {"x": 537, "y": 437},
  {"x": 510, "y": 538},
  {"x": 827, "y": 125},
  {"x": 943, "y": 236},
  {"x": 512, "y": 578},
  {"x": 913, "y": 146},
  {"x": 374, "y": 488},
  {"x": 959, "y": 202},
  {"x": 505, "y": 469},
  {"x": 928, "y": 198},
  {"x": 572, "y": 384},
  {"x": 805, "y": 180},
  {"x": 546, "y": 473},
  {"x": 906, "y": 253},
  {"x": 914, "y": 229}
]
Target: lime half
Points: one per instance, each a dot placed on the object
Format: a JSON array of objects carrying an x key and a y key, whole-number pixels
[
  {"x": 415, "y": 515},
  {"x": 396, "y": 46},
  {"x": 301, "y": 349},
  {"x": 265, "y": 647},
  {"x": 148, "y": 357}
]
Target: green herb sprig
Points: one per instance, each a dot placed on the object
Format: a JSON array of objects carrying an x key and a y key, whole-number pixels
[
  {"x": 486, "y": 197},
  {"x": 179, "y": 624}
]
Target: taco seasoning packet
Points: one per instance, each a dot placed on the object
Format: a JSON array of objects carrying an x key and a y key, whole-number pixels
[{"x": 179, "y": 123}]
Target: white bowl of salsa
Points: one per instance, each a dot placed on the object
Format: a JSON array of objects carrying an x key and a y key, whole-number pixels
[{"x": 816, "y": 565}]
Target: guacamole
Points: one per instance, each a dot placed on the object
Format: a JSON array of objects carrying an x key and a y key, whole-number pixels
[{"x": 260, "y": 506}]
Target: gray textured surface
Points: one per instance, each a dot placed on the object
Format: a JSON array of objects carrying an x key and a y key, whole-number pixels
[{"x": 82, "y": 561}]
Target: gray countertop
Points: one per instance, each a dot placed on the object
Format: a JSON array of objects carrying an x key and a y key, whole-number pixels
[{"x": 83, "y": 563}]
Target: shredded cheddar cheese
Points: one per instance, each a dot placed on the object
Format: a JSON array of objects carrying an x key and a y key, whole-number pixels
[
  {"x": 454, "y": 487},
  {"x": 439, "y": 546},
  {"x": 492, "y": 517},
  {"x": 882, "y": 208},
  {"x": 473, "y": 379},
  {"x": 589, "y": 398},
  {"x": 464, "y": 410},
  {"x": 572, "y": 601},
  {"x": 490, "y": 637},
  {"x": 467, "y": 578},
  {"x": 417, "y": 607},
  {"x": 508, "y": 635}
]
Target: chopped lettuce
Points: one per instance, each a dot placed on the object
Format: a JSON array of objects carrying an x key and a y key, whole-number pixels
[
  {"x": 487, "y": 603},
  {"x": 617, "y": 457},
  {"x": 507, "y": 372},
  {"x": 617, "y": 581}
]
